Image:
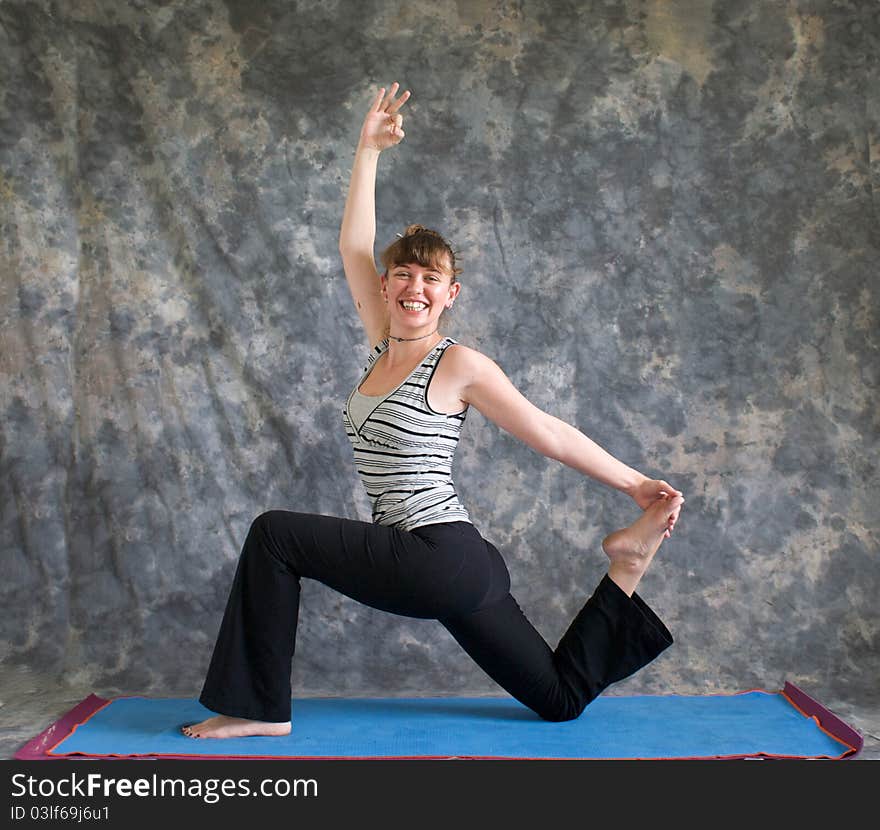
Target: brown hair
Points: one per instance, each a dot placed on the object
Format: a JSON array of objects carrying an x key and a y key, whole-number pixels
[{"x": 424, "y": 246}]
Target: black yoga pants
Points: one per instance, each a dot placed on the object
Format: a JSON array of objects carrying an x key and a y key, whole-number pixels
[{"x": 446, "y": 572}]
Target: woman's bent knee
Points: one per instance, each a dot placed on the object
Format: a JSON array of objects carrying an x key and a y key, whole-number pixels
[
  {"x": 265, "y": 520},
  {"x": 559, "y": 714},
  {"x": 563, "y": 705},
  {"x": 263, "y": 539}
]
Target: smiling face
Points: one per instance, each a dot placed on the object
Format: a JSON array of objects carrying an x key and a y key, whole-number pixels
[{"x": 417, "y": 295}]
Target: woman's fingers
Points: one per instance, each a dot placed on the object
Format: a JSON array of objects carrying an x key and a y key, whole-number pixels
[
  {"x": 389, "y": 98},
  {"x": 666, "y": 487},
  {"x": 380, "y": 103},
  {"x": 670, "y": 523},
  {"x": 396, "y": 105},
  {"x": 672, "y": 518},
  {"x": 386, "y": 103}
]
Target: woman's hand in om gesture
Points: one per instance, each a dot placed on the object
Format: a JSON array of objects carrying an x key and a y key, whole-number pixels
[{"x": 383, "y": 125}]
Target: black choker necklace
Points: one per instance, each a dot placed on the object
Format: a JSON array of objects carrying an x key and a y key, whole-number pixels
[{"x": 410, "y": 339}]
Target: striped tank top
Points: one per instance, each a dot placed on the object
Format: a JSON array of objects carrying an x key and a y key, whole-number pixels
[{"x": 403, "y": 449}]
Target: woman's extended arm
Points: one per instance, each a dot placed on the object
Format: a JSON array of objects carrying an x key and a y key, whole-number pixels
[
  {"x": 357, "y": 236},
  {"x": 486, "y": 387}
]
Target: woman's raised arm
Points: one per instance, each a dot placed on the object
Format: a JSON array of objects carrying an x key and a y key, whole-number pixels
[{"x": 357, "y": 237}]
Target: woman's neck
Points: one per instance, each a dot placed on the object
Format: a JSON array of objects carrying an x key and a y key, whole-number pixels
[{"x": 409, "y": 351}]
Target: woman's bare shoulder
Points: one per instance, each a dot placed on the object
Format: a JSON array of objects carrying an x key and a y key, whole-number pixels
[{"x": 467, "y": 361}]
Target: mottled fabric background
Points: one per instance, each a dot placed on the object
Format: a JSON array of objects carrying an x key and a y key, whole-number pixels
[{"x": 666, "y": 217}]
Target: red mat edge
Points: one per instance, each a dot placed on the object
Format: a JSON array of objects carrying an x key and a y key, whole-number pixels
[
  {"x": 38, "y": 748},
  {"x": 827, "y": 721}
]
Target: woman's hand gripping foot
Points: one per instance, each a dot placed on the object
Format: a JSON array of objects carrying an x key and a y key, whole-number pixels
[{"x": 632, "y": 548}]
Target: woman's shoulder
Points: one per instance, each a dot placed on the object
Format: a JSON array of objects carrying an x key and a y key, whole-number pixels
[
  {"x": 460, "y": 350},
  {"x": 465, "y": 359}
]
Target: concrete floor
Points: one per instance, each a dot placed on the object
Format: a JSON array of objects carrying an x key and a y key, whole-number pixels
[{"x": 29, "y": 703}]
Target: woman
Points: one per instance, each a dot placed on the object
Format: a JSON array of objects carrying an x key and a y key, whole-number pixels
[{"x": 422, "y": 556}]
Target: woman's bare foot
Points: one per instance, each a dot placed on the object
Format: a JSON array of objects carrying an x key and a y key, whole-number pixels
[
  {"x": 223, "y": 726},
  {"x": 632, "y": 548}
]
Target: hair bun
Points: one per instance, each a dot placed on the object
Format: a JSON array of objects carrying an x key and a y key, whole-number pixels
[{"x": 412, "y": 230}]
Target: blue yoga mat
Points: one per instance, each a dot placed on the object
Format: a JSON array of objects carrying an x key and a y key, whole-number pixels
[{"x": 750, "y": 724}]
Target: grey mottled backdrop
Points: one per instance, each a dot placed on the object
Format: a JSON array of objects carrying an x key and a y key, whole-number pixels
[{"x": 666, "y": 216}]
